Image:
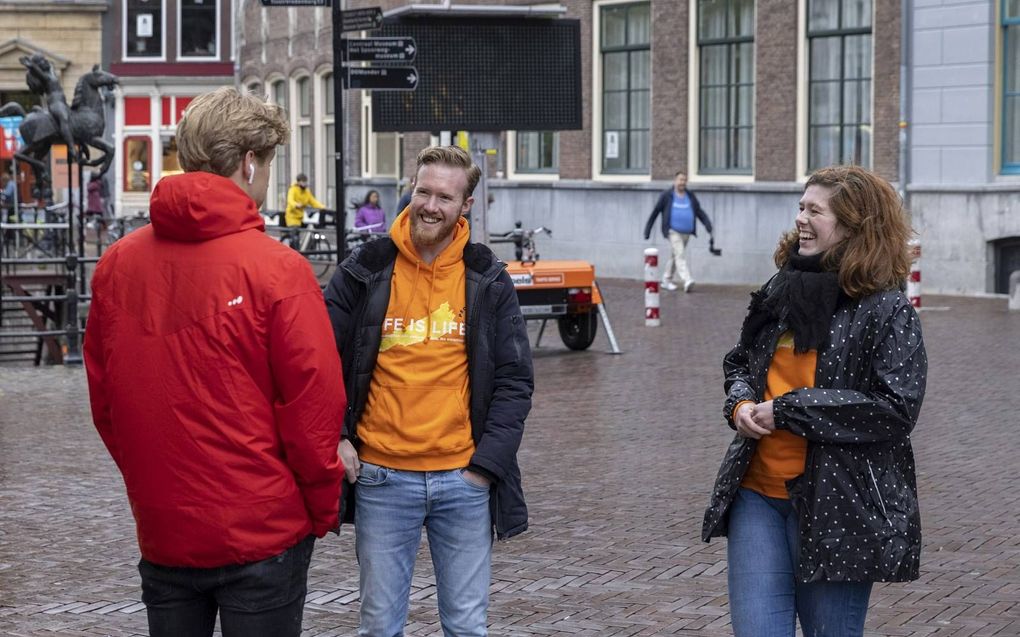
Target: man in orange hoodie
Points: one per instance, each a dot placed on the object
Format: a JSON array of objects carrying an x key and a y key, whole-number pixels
[
  {"x": 438, "y": 374},
  {"x": 210, "y": 387}
]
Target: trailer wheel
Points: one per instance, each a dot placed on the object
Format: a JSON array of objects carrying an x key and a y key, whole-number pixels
[{"x": 578, "y": 330}]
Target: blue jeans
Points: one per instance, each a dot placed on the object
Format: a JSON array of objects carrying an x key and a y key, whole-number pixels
[
  {"x": 391, "y": 508},
  {"x": 765, "y": 597},
  {"x": 261, "y": 598}
]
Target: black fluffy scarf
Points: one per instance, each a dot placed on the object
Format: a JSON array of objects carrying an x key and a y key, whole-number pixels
[{"x": 802, "y": 293}]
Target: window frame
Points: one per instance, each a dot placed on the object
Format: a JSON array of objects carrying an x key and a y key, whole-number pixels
[
  {"x": 842, "y": 33},
  {"x": 1005, "y": 22},
  {"x": 136, "y": 136},
  {"x": 730, "y": 126},
  {"x": 370, "y": 141},
  {"x": 279, "y": 163},
  {"x": 598, "y": 101},
  {"x": 180, "y": 32},
  {"x": 299, "y": 122},
  {"x": 326, "y": 118},
  {"x": 513, "y": 171},
  {"x": 124, "y": 36}
]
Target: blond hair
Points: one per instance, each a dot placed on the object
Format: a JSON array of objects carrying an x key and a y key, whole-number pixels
[
  {"x": 218, "y": 128},
  {"x": 454, "y": 156},
  {"x": 874, "y": 255}
]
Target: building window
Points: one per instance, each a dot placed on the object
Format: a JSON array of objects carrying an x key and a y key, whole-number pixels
[
  {"x": 281, "y": 165},
  {"x": 143, "y": 29},
  {"x": 537, "y": 152},
  {"x": 329, "y": 134},
  {"x": 137, "y": 164},
  {"x": 1011, "y": 87},
  {"x": 171, "y": 163},
  {"x": 304, "y": 127},
  {"x": 380, "y": 151},
  {"x": 726, "y": 86},
  {"x": 625, "y": 41},
  {"x": 839, "y": 82},
  {"x": 199, "y": 29}
]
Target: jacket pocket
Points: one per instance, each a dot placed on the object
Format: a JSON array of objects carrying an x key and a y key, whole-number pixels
[{"x": 877, "y": 493}]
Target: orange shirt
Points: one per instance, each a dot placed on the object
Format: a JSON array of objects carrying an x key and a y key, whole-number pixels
[
  {"x": 780, "y": 456},
  {"x": 417, "y": 414}
]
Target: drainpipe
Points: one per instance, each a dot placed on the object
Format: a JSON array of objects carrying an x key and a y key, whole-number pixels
[{"x": 906, "y": 99}]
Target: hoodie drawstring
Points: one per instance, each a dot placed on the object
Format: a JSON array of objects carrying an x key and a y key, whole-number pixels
[
  {"x": 414, "y": 288},
  {"x": 428, "y": 305}
]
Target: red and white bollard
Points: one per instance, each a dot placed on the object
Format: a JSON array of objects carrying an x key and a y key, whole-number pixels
[
  {"x": 914, "y": 282},
  {"x": 652, "y": 287}
]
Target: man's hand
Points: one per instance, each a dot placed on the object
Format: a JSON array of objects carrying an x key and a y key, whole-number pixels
[
  {"x": 746, "y": 425},
  {"x": 349, "y": 456},
  {"x": 476, "y": 478}
]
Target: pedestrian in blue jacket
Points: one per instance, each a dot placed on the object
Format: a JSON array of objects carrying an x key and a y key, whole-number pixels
[{"x": 679, "y": 208}]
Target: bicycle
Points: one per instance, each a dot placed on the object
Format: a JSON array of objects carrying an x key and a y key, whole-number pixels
[
  {"x": 308, "y": 238},
  {"x": 524, "y": 241}
]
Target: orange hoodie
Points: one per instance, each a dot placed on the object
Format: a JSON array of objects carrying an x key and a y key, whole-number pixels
[{"x": 416, "y": 417}]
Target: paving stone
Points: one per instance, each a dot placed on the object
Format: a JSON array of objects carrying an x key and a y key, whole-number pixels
[{"x": 618, "y": 460}]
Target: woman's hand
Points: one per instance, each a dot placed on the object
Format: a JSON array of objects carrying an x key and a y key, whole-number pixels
[
  {"x": 746, "y": 425},
  {"x": 763, "y": 415}
]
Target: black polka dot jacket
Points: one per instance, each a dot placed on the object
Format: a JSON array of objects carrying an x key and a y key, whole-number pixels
[{"x": 857, "y": 498}]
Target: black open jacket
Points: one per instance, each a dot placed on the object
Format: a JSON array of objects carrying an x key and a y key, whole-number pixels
[
  {"x": 500, "y": 374},
  {"x": 856, "y": 501}
]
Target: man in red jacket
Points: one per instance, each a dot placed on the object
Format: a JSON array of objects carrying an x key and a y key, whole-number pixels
[{"x": 213, "y": 388}]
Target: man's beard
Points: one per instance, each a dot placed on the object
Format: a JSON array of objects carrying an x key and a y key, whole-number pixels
[{"x": 430, "y": 235}]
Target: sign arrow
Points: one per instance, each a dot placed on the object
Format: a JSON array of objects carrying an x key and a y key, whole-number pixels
[{"x": 381, "y": 78}]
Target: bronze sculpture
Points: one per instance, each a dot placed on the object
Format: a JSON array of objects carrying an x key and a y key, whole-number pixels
[{"x": 79, "y": 126}]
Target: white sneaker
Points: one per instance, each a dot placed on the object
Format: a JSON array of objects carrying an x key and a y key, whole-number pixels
[
  {"x": 668, "y": 285},
  {"x": 688, "y": 284}
]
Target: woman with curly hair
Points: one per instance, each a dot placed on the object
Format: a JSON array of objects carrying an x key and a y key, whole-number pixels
[{"x": 817, "y": 492}]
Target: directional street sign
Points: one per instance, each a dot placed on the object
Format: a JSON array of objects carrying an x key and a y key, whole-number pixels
[
  {"x": 295, "y": 3},
  {"x": 390, "y": 78},
  {"x": 378, "y": 50},
  {"x": 361, "y": 19}
]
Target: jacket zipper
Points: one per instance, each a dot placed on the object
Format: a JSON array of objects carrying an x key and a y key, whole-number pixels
[
  {"x": 356, "y": 347},
  {"x": 878, "y": 493}
]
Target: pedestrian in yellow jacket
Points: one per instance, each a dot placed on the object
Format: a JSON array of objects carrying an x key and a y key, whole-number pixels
[{"x": 299, "y": 197}]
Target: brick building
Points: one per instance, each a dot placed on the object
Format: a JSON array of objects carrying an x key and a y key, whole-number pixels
[
  {"x": 745, "y": 96},
  {"x": 165, "y": 53}
]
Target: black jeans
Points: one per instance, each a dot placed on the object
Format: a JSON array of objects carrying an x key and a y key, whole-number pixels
[{"x": 260, "y": 598}]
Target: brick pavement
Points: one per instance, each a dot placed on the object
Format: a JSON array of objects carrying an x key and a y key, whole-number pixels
[{"x": 618, "y": 459}]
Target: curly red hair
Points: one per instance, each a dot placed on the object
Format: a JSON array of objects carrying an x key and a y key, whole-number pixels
[{"x": 874, "y": 256}]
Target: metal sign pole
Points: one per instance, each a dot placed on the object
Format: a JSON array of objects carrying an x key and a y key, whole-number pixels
[
  {"x": 73, "y": 356},
  {"x": 338, "y": 134}
]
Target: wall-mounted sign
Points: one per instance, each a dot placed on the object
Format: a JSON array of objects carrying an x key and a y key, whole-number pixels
[
  {"x": 612, "y": 145},
  {"x": 143, "y": 25}
]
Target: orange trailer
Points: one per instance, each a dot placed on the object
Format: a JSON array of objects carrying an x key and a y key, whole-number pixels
[{"x": 565, "y": 291}]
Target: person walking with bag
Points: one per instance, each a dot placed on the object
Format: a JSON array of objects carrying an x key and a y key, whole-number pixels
[
  {"x": 680, "y": 211},
  {"x": 817, "y": 492}
]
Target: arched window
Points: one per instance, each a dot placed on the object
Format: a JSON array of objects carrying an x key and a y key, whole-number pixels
[
  {"x": 281, "y": 165},
  {"x": 305, "y": 144}
]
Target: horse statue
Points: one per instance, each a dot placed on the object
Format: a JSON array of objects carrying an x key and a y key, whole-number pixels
[{"x": 78, "y": 127}]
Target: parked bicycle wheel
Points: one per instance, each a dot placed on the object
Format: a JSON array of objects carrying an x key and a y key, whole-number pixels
[{"x": 321, "y": 255}]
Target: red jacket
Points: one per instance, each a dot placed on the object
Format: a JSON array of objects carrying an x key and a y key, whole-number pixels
[{"x": 214, "y": 380}]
